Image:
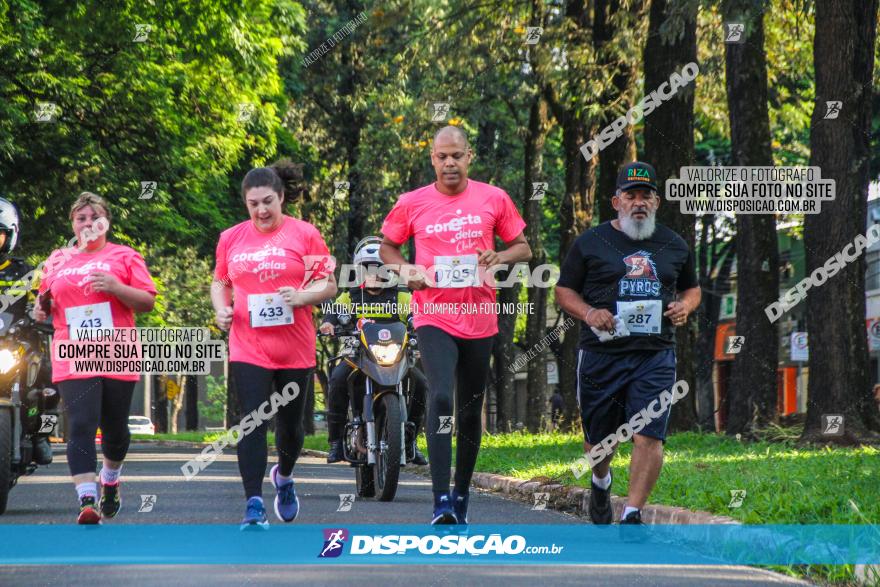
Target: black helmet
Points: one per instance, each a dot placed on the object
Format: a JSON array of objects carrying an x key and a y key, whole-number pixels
[{"x": 9, "y": 227}]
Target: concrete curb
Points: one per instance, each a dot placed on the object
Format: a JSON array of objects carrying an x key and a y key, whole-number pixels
[{"x": 575, "y": 500}]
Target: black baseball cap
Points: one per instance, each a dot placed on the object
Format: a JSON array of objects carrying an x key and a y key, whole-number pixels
[{"x": 637, "y": 174}]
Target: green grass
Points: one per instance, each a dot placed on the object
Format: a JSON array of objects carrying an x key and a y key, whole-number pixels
[{"x": 784, "y": 483}]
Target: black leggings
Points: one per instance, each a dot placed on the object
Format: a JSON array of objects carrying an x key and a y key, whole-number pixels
[
  {"x": 464, "y": 363},
  {"x": 337, "y": 403},
  {"x": 89, "y": 403},
  {"x": 254, "y": 385}
]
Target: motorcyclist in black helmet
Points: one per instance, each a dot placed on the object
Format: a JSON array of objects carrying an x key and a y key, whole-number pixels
[{"x": 18, "y": 287}]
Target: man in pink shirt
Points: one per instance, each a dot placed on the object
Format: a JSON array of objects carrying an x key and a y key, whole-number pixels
[{"x": 454, "y": 222}]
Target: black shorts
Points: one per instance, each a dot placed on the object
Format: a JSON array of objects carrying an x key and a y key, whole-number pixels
[{"x": 612, "y": 388}]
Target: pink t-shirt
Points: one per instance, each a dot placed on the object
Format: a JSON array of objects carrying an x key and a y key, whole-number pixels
[
  {"x": 454, "y": 226},
  {"x": 67, "y": 274},
  {"x": 255, "y": 262}
]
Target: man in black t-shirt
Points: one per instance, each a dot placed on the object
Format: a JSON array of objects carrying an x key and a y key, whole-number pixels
[{"x": 631, "y": 281}]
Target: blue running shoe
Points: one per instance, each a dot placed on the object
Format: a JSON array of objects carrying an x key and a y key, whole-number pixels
[
  {"x": 460, "y": 506},
  {"x": 286, "y": 501},
  {"x": 443, "y": 513},
  {"x": 255, "y": 515}
]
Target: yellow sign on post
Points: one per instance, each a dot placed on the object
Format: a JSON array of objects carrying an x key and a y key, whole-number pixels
[{"x": 172, "y": 389}]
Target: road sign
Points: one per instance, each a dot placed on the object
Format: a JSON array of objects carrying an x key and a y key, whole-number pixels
[
  {"x": 728, "y": 307},
  {"x": 873, "y": 334},
  {"x": 552, "y": 373},
  {"x": 799, "y": 349}
]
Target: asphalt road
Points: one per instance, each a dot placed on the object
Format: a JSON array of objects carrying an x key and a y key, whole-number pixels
[{"x": 216, "y": 497}]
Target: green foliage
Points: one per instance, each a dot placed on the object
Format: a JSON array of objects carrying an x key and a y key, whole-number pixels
[
  {"x": 699, "y": 470},
  {"x": 164, "y": 110},
  {"x": 215, "y": 408}
]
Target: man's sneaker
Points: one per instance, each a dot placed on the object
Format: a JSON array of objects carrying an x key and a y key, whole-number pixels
[
  {"x": 634, "y": 518},
  {"x": 111, "y": 501},
  {"x": 286, "y": 501},
  {"x": 600, "y": 504},
  {"x": 443, "y": 513},
  {"x": 418, "y": 457},
  {"x": 88, "y": 512},
  {"x": 254, "y": 514},
  {"x": 335, "y": 454},
  {"x": 632, "y": 529},
  {"x": 42, "y": 451},
  {"x": 460, "y": 506}
]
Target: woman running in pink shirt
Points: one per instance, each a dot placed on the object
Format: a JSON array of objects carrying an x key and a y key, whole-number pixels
[
  {"x": 271, "y": 270},
  {"x": 95, "y": 284}
]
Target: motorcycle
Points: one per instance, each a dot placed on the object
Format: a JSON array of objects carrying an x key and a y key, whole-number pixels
[
  {"x": 24, "y": 405},
  {"x": 378, "y": 438}
]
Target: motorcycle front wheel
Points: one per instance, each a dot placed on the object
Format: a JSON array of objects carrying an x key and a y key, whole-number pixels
[{"x": 387, "y": 467}]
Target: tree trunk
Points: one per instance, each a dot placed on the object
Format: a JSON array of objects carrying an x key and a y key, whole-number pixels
[
  {"x": 720, "y": 258},
  {"x": 843, "y": 54},
  {"x": 191, "y": 395},
  {"x": 753, "y": 386},
  {"x": 623, "y": 150},
  {"x": 160, "y": 415},
  {"x": 575, "y": 207},
  {"x": 504, "y": 385},
  {"x": 536, "y": 321},
  {"x": 669, "y": 145}
]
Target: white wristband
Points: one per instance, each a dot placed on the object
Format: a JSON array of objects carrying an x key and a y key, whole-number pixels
[{"x": 587, "y": 317}]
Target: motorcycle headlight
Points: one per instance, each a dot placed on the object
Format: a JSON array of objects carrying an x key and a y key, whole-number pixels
[
  {"x": 385, "y": 354},
  {"x": 7, "y": 361}
]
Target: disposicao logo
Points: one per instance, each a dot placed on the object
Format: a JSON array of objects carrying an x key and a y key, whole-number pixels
[{"x": 334, "y": 541}]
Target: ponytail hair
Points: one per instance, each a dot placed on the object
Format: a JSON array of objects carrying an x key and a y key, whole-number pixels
[{"x": 284, "y": 177}]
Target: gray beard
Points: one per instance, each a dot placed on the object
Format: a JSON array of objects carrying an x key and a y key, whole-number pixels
[{"x": 638, "y": 230}]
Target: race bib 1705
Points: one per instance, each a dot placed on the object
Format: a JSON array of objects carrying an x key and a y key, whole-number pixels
[{"x": 456, "y": 271}]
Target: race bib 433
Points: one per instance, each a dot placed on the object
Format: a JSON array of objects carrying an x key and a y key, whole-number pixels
[{"x": 268, "y": 309}]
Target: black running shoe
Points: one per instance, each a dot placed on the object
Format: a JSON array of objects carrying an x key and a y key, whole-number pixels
[
  {"x": 634, "y": 518},
  {"x": 600, "y": 504},
  {"x": 111, "y": 501},
  {"x": 418, "y": 457},
  {"x": 335, "y": 454},
  {"x": 42, "y": 451},
  {"x": 88, "y": 513},
  {"x": 632, "y": 529}
]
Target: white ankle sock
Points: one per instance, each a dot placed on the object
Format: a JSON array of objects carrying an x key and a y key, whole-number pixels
[
  {"x": 109, "y": 475},
  {"x": 84, "y": 489},
  {"x": 627, "y": 511},
  {"x": 282, "y": 480},
  {"x": 604, "y": 483}
]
